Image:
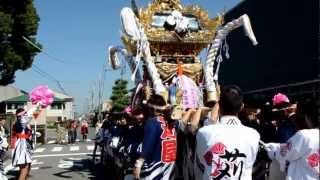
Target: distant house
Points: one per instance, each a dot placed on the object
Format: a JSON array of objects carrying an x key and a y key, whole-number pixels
[
  {"x": 7, "y": 92},
  {"x": 107, "y": 106},
  {"x": 68, "y": 112}
]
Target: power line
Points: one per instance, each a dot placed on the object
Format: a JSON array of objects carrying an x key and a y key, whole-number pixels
[
  {"x": 41, "y": 50},
  {"x": 50, "y": 77},
  {"x": 43, "y": 73}
]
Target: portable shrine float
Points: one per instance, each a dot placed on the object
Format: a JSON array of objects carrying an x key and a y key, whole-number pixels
[{"x": 162, "y": 45}]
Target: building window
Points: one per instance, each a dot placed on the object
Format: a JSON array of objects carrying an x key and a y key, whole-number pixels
[
  {"x": 20, "y": 105},
  {"x": 12, "y": 106},
  {"x": 56, "y": 106}
]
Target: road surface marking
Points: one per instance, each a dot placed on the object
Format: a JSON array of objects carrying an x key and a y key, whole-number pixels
[
  {"x": 90, "y": 148},
  {"x": 35, "y": 162},
  {"x": 10, "y": 168},
  {"x": 88, "y": 140},
  {"x": 61, "y": 155},
  {"x": 51, "y": 142},
  {"x": 57, "y": 149},
  {"x": 75, "y": 159},
  {"x": 35, "y": 168},
  {"x": 74, "y": 148},
  {"x": 39, "y": 150},
  {"x": 77, "y": 140}
]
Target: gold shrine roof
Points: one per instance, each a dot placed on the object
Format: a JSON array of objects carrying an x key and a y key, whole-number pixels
[{"x": 167, "y": 42}]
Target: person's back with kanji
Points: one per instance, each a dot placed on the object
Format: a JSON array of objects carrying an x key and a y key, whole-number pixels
[
  {"x": 228, "y": 149},
  {"x": 158, "y": 153}
]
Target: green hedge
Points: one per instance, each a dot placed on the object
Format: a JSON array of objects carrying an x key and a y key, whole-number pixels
[{"x": 51, "y": 126}]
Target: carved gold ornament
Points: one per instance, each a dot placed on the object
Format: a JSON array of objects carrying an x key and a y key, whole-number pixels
[{"x": 163, "y": 41}]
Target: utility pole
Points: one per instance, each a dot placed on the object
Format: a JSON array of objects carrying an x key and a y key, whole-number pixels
[
  {"x": 101, "y": 89},
  {"x": 99, "y": 100},
  {"x": 101, "y": 82},
  {"x": 92, "y": 101},
  {"x": 86, "y": 106}
]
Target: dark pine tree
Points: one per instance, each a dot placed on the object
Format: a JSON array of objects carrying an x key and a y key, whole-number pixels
[
  {"x": 18, "y": 19},
  {"x": 120, "y": 97}
]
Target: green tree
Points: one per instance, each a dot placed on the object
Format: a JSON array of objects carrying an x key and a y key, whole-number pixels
[
  {"x": 120, "y": 95},
  {"x": 18, "y": 19}
]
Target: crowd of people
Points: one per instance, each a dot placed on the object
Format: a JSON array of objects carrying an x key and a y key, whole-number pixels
[
  {"x": 227, "y": 141},
  {"x": 67, "y": 132}
]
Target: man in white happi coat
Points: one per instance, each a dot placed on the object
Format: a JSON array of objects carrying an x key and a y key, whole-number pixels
[
  {"x": 299, "y": 157},
  {"x": 228, "y": 149}
]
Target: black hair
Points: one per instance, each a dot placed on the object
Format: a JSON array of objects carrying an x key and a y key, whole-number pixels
[
  {"x": 106, "y": 124},
  {"x": 19, "y": 110},
  {"x": 231, "y": 100},
  {"x": 308, "y": 109},
  {"x": 157, "y": 100},
  {"x": 18, "y": 128}
]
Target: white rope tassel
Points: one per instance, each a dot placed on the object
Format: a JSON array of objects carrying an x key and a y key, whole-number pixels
[
  {"x": 113, "y": 57},
  {"x": 136, "y": 77},
  {"x": 153, "y": 72},
  {"x": 248, "y": 29},
  {"x": 210, "y": 86},
  {"x": 217, "y": 44},
  {"x": 134, "y": 30},
  {"x": 137, "y": 61},
  {"x": 115, "y": 62}
]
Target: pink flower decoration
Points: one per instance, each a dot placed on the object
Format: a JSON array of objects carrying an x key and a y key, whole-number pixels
[
  {"x": 280, "y": 98},
  {"x": 128, "y": 109},
  {"x": 43, "y": 95},
  {"x": 314, "y": 160}
]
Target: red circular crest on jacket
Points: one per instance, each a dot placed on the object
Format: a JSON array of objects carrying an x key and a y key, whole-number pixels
[
  {"x": 313, "y": 159},
  {"x": 218, "y": 148}
]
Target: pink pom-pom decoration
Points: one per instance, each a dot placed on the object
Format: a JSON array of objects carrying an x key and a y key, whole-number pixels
[
  {"x": 127, "y": 110},
  {"x": 280, "y": 98},
  {"x": 42, "y": 95}
]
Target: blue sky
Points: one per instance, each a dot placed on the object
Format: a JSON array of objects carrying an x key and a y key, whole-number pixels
[{"x": 79, "y": 32}]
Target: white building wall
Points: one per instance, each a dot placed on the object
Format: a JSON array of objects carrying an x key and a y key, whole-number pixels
[
  {"x": 68, "y": 112},
  {"x": 55, "y": 112}
]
